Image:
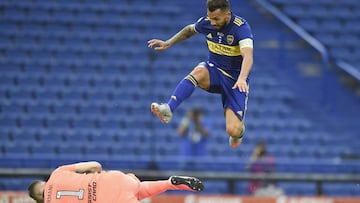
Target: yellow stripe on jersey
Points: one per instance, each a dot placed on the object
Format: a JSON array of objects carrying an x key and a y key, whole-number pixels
[
  {"x": 223, "y": 49},
  {"x": 238, "y": 21},
  {"x": 225, "y": 73}
]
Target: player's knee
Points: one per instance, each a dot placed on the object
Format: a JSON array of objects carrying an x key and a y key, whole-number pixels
[
  {"x": 235, "y": 130},
  {"x": 201, "y": 74}
]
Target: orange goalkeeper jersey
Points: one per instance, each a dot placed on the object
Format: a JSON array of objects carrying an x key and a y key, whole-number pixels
[{"x": 65, "y": 185}]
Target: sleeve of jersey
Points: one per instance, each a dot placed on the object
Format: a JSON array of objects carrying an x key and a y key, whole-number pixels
[
  {"x": 246, "y": 36},
  {"x": 199, "y": 25}
]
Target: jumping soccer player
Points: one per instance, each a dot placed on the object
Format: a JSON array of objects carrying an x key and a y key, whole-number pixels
[
  {"x": 87, "y": 182},
  {"x": 230, "y": 43}
]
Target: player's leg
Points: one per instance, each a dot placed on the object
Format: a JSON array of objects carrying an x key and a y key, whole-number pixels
[
  {"x": 152, "y": 188},
  {"x": 235, "y": 104},
  {"x": 235, "y": 127},
  {"x": 199, "y": 76}
]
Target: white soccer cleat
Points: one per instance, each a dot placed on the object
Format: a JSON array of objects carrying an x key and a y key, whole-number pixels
[
  {"x": 162, "y": 111},
  {"x": 235, "y": 141}
]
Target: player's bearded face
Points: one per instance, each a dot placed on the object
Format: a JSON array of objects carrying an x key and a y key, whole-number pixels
[{"x": 219, "y": 19}]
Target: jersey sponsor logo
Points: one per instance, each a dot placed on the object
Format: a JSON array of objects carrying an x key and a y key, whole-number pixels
[
  {"x": 222, "y": 49},
  {"x": 48, "y": 194},
  {"x": 229, "y": 39},
  {"x": 91, "y": 192}
]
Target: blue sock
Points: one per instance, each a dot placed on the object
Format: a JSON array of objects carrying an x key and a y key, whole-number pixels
[{"x": 182, "y": 91}]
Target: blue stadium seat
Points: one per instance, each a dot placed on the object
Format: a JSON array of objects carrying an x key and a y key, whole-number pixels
[
  {"x": 309, "y": 24},
  {"x": 341, "y": 189},
  {"x": 89, "y": 17},
  {"x": 81, "y": 29},
  {"x": 14, "y": 13},
  {"x": 25, "y": 42},
  {"x": 31, "y": 123},
  {"x": 55, "y": 137},
  {"x": 96, "y": 151},
  {"x": 44, "y": 150},
  {"x": 241, "y": 188},
  {"x": 16, "y": 56},
  {"x": 215, "y": 187},
  {"x": 9, "y": 27},
  {"x": 295, "y": 10},
  {"x": 83, "y": 124},
  {"x": 6, "y": 82},
  {"x": 73, "y": 150},
  {"x": 332, "y": 26},
  {"x": 72, "y": 97},
  {"x": 45, "y": 98},
  {"x": 16, "y": 150},
  {"x": 352, "y": 26},
  {"x": 62, "y": 16},
  {"x": 42, "y": 56},
  {"x": 12, "y": 109},
  {"x": 32, "y": 28},
  {"x": 298, "y": 188},
  {"x": 57, "y": 123},
  {"x": 38, "y": 110},
  {"x": 39, "y": 15},
  {"x": 52, "y": 84},
  {"x": 9, "y": 123},
  {"x": 15, "y": 183}
]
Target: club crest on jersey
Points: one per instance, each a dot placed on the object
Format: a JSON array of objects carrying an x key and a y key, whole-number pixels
[{"x": 229, "y": 39}]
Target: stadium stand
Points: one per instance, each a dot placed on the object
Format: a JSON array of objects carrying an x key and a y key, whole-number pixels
[
  {"x": 334, "y": 24},
  {"x": 77, "y": 79}
]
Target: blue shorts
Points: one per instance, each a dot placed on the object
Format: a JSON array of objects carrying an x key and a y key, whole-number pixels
[{"x": 221, "y": 82}]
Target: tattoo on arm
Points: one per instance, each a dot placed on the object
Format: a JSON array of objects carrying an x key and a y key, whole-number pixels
[{"x": 183, "y": 34}]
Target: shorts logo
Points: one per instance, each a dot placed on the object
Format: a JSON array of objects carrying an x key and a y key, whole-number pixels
[
  {"x": 229, "y": 39},
  {"x": 209, "y": 36},
  {"x": 240, "y": 113}
]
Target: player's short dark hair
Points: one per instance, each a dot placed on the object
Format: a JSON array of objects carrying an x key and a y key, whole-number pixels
[
  {"x": 213, "y": 5},
  {"x": 31, "y": 189}
]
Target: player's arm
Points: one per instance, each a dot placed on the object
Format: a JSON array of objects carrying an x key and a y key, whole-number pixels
[
  {"x": 185, "y": 33},
  {"x": 82, "y": 167},
  {"x": 88, "y": 167},
  {"x": 246, "y": 47}
]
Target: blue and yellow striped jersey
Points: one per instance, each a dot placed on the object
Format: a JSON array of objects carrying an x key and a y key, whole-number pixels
[{"x": 223, "y": 45}]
